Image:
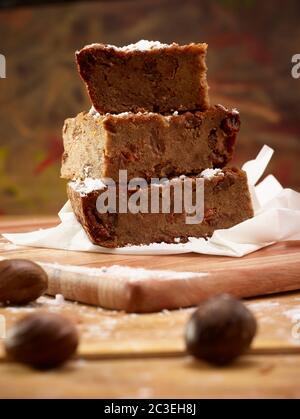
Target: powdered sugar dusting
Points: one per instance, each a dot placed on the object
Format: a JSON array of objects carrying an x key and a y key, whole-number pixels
[
  {"x": 59, "y": 299},
  {"x": 94, "y": 113},
  {"x": 126, "y": 114},
  {"x": 142, "y": 45},
  {"x": 87, "y": 185},
  {"x": 125, "y": 272},
  {"x": 263, "y": 305},
  {"x": 18, "y": 309},
  {"x": 211, "y": 173},
  {"x": 234, "y": 111},
  {"x": 293, "y": 314},
  {"x": 134, "y": 114}
]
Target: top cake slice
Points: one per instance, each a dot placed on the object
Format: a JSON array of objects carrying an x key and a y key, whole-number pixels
[{"x": 145, "y": 77}]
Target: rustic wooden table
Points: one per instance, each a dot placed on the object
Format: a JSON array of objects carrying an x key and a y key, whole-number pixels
[{"x": 114, "y": 358}]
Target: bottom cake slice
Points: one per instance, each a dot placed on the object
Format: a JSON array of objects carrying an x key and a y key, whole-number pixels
[{"x": 227, "y": 202}]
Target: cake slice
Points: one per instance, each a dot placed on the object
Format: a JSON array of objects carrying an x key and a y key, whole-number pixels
[
  {"x": 148, "y": 145},
  {"x": 146, "y": 76},
  {"x": 227, "y": 202}
]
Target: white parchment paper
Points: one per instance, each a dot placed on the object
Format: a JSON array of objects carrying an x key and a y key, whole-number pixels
[{"x": 277, "y": 218}]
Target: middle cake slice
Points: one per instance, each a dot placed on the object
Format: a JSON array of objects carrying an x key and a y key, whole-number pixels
[{"x": 148, "y": 145}]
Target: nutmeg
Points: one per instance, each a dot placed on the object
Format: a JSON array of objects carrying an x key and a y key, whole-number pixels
[
  {"x": 221, "y": 329},
  {"x": 42, "y": 340},
  {"x": 21, "y": 281}
]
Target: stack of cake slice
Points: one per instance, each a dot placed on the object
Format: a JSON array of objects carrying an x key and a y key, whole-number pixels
[{"x": 151, "y": 117}]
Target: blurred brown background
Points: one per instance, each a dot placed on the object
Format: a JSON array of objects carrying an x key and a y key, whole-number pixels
[{"x": 251, "y": 44}]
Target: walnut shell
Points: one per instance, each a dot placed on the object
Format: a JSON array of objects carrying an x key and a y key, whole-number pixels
[
  {"x": 21, "y": 281},
  {"x": 42, "y": 340}
]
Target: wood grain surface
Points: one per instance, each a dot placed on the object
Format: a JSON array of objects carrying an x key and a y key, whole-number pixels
[
  {"x": 251, "y": 377},
  {"x": 270, "y": 270},
  {"x": 115, "y": 343}
]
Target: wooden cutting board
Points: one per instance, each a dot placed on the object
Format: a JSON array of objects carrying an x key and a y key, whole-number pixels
[{"x": 271, "y": 270}]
